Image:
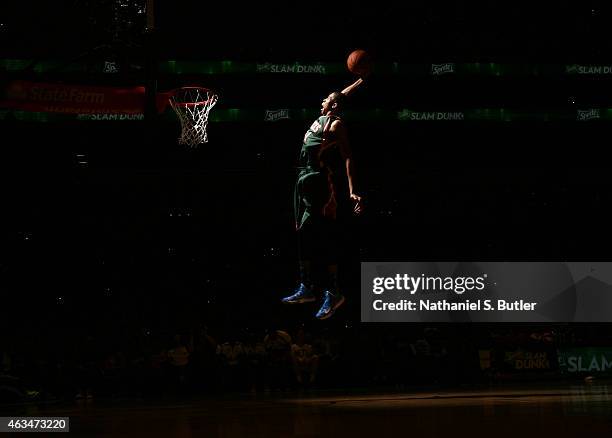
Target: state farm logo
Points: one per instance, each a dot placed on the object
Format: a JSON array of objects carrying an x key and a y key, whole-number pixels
[
  {"x": 274, "y": 115},
  {"x": 591, "y": 114},
  {"x": 440, "y": 69}
]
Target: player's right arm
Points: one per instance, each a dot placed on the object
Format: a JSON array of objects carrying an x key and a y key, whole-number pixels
[{"x": 349, "y": 90}]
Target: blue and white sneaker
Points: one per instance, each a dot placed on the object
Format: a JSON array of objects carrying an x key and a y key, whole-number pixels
[
  {"x": 330, "y": 304},
  {"x": 302, "y": 294}
]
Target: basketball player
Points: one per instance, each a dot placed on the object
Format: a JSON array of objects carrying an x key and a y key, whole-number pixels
[{"x": 324, "y": 191}]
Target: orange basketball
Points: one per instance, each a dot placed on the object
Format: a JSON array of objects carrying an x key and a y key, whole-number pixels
[{"x": 359, "y": 62}]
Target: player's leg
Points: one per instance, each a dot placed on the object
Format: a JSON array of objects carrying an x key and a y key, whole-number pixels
[
  {"x": 306, "y": 203},
  {"x": 332, "y": 297},
  {"x": 312, "y": 194},
  {"x": 304, "y": 292}
]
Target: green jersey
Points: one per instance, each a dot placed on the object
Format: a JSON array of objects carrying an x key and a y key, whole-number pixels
[
  {"x": 318, "y": 164},
  {"x": 310, "y": 155}
]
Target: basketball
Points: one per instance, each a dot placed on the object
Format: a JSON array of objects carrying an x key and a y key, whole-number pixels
[{"x": 359, "y": 62}]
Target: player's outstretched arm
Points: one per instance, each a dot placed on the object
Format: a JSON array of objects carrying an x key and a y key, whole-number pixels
[{"x": 348, "y": 90}]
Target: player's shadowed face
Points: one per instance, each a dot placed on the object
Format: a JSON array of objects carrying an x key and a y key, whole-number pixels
[{"x": 327, "y": 104}]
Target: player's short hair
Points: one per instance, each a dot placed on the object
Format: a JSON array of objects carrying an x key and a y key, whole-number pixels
[{"x": 339, "y": 99}]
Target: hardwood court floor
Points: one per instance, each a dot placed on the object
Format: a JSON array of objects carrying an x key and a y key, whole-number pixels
[{"x": 557, "y": 411}]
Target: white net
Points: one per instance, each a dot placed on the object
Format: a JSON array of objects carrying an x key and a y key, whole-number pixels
[{"x": 192, "y": 105}]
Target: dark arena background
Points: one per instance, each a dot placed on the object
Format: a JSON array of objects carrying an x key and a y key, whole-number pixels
[{"x": 141, "y": 279}]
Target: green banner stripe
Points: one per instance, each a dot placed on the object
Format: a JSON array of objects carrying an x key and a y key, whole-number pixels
[
  {"x": 375, "y": 115},
  {"x": 591, "y": 360},
  {"x": 233, "y": 67}
]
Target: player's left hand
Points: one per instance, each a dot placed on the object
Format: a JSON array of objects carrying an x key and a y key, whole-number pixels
[{"x": 358, "y": 208}]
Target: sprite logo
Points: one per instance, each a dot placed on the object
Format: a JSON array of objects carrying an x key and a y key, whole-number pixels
[
  {"x": 110, "y": 67},
  {"x": 571, "y": 69},
  {"x": 274, "y": 115},
  {"x": 591, "y": 114},
  {"x": 440, "y": 69}
]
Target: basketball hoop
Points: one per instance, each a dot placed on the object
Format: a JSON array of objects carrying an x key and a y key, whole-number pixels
[{"x": 192, "y": 105}]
